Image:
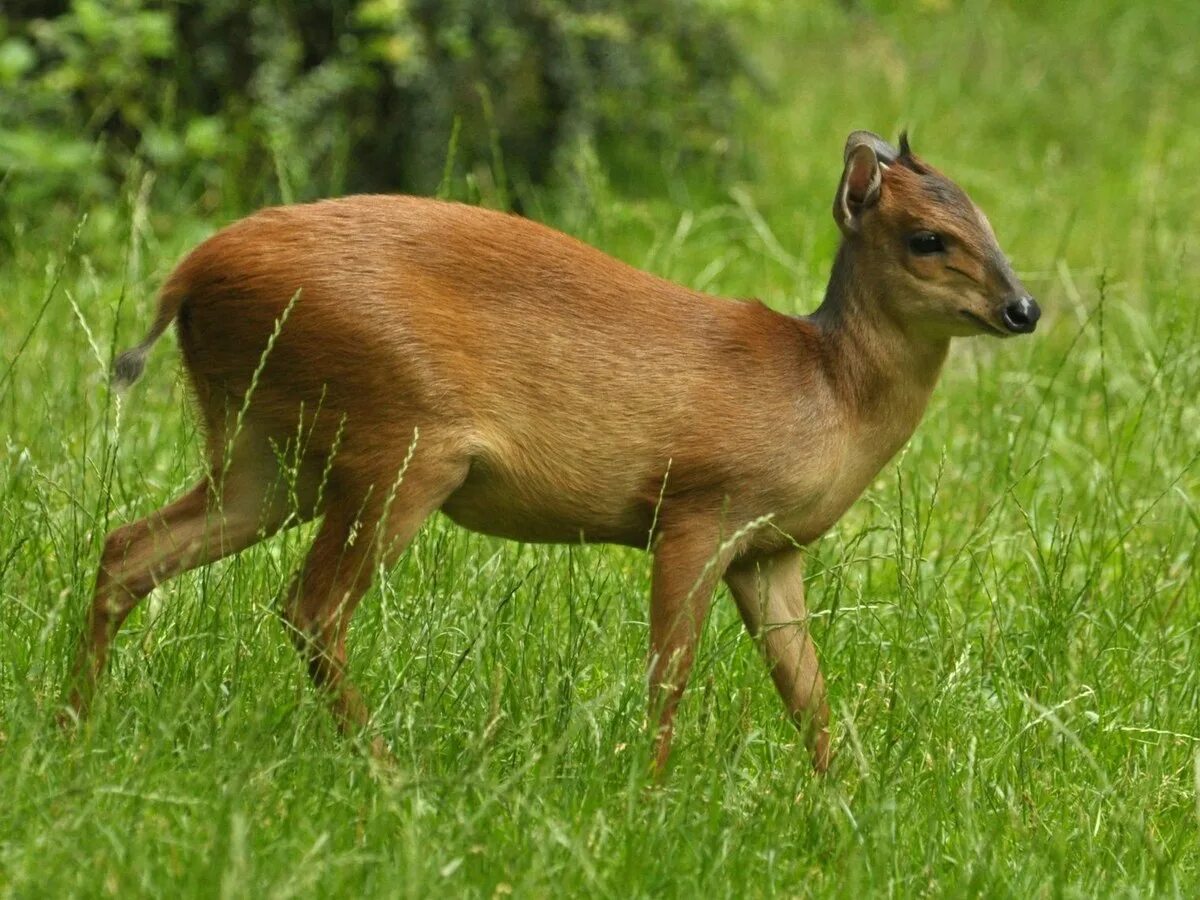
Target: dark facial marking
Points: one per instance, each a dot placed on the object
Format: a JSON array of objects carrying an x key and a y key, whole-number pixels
[
  {"x": 949, "y": 196},
  {"x": 963, "y": 273},
  {"x": 999, "y": 263}
]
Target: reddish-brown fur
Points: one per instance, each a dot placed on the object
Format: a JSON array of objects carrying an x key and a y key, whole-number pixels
[{"x": 434, "y": 356}]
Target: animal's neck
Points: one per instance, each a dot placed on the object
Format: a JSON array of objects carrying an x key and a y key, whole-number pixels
[{"x": 883, "y": 370}]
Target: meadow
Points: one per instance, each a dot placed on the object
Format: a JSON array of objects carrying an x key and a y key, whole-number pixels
[{"x": 1008, "y": 619}]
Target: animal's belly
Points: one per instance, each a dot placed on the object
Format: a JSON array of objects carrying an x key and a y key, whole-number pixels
[{"x": 526, "y": 510}]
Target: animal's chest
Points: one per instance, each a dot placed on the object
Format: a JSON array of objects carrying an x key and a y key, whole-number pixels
[{"x": 822, "y": 498}]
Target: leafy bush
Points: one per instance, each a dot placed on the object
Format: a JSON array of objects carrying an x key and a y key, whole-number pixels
[{"x": 238, "y": 102}]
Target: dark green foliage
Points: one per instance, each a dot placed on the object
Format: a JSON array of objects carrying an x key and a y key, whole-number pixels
[{"x": 255, "y": 101}]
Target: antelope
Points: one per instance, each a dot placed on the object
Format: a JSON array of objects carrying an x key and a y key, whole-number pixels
[{"x": 414, "y": 355}]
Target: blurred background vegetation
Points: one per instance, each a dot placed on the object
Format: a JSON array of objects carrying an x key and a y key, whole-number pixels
[{"x": 235, "y": 104}]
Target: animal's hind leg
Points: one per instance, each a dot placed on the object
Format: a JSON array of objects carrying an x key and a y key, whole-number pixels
[
  {"x": 368, "y": 523},
  {"x": 199, "y": 527}
]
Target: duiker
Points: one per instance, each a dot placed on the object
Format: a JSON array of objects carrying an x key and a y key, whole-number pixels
[{"x": 415, "y": 356}]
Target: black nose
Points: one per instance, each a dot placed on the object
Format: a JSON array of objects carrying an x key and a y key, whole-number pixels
[{"x": 1021, "y": 315}]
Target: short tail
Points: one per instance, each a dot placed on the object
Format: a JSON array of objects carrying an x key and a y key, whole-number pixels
[{"x": 128, "y": 366}]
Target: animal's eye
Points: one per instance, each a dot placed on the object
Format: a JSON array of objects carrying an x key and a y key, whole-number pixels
[{"x": 925, "y": 243}]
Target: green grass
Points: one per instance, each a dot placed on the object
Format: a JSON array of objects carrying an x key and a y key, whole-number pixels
[{"x": 1007, "y": 619}]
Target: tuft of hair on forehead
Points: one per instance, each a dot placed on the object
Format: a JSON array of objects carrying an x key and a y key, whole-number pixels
[
  {"x": 908, "y": 159},
  {"x": 918, "y": 186}
]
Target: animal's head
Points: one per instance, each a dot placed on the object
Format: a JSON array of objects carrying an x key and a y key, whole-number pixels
[{"x": 939, "y": 266}]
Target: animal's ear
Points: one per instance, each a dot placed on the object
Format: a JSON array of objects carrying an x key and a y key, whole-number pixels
[
  {"x": 862, "y": 181},
  {"x": 886, "y": 152}
]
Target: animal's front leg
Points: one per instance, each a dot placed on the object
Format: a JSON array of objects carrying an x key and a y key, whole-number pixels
[
  {"x": 688, "y": 563},
  {"x": 770, "y": 595}
]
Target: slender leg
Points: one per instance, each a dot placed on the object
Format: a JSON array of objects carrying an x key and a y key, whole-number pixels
[
  {"x": 687, "y": 567},
  {"x": 191, "y": 531},
  {"x": 770, "y": 595},
  {"x": 362, "y": 530}
]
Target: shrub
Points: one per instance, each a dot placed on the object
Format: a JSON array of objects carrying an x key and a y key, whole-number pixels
[{"x": 241, "y": 102}]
